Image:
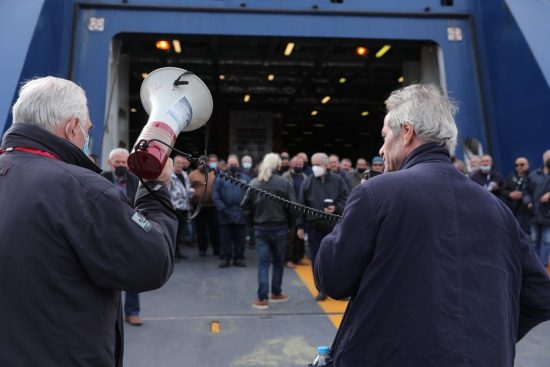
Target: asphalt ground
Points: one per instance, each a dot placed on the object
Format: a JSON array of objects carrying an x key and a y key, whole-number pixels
[{"x": 203, "y": 317}]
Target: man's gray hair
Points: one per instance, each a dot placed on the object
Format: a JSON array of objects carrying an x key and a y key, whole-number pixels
[
  {"x": 48, "y": 102},
  {"x": 427, "y": 109},
  {"x": 269, "y": 164},
  {"x": 322, "y": 156},
  {"x": 115, "y": 151}
]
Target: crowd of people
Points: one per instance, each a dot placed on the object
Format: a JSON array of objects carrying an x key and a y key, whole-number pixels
[{"x": 437, "y": 269}]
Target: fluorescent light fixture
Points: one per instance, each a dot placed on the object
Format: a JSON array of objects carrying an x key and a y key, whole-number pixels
[
  {"x": 270, "y": 77},
  {"x": 246, "y": 98},
  {"x": 318, "y": 125},
  {"x": 383, "y": 51},
  {"x": 289, "y": 48},
  {"x": 314, "y": 113},
  {"x": 177, "y": 46},
  {"x": 163, "y": 45},
  {"x": 222, "y": 77},
  {"x": 307, "y": 132},
  {"x": 401, "y": 79},
  {"x": 365, "y": 113},
  {"x": 144, "y": 75},
  {"x": 325, "y": 100},
  {"x": 342, "y": 80},
  {"x": 133, "y": 109}
]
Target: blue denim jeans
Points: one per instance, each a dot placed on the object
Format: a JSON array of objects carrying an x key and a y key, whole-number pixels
[
  {"x": 540, "y": 238},
  {"x": 131, "y": 304},
  {"x": 270, "y": 245}
]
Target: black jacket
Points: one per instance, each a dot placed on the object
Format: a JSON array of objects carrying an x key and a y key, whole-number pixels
[
  {"x": 68, "y": 246},
  {"x": 132, "y": 183},
  {"x": 439, "y": 272},
  {"x": 516, "y": 183},
  {"x": 538, "y": 185},
  {"x": 259, "y": 210}
]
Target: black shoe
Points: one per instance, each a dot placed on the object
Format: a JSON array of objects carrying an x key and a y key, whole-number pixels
[
  {"x": 321, "y": 297},
  {"x": 239, "y": 263},
  {"x": 224, "y": 264}
]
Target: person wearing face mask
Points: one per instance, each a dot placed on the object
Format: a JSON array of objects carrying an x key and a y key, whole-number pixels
[
  {"x": 227, "y": 199},
  {"x": 248, "y": 166},
  {"x": 207, "y": 220},
  {"x": 307, "y": 167},
  {"x": 70, "y": 243},
  {"x": 361, "y": 167},
  {"x": 295, "y": 251},
  {"x": 514, "y": 192},
  {"x": 285, "y": 163},
  {"x": 325, "y": 191},
  {"x": 127, "y": 184},
  {"x": 538, "y": 201},
  {"x": 487, "y": 176}
]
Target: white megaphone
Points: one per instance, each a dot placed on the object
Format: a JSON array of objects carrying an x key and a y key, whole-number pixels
[{"x": 176, "y": 100}]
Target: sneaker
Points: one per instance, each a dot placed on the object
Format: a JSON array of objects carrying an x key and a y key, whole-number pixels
[
  {"x": 261, "y": 304},
  {"x": 134, "y": 320},
  {"x": 278, "y": 298},
  {"x": 239, "y": 263},
  {"x": 321, "y": 297},
  {"x": 290, "y": 265}
]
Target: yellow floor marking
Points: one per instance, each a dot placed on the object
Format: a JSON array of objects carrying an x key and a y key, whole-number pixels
[
  {"x": 330, "y": 306},
  {"x": 215, "y": 327}
]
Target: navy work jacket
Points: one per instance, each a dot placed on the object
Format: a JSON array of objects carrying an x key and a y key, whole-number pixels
[
  {"x": 68, "y": 245},
  {"x": 439, "y": 272}
]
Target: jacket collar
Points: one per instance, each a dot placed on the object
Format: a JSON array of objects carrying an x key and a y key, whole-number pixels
[
  {"x": 32, "y": 136},
  {"x": 430, "y": 152}
]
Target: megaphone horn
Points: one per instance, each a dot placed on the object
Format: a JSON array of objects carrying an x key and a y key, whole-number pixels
[{"x": 176, "y": 101}]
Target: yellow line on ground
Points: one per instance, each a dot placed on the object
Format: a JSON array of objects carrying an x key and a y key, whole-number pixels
[{"x": 330, "y": 306}]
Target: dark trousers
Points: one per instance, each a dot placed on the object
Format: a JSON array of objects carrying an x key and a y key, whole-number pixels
[
  {"x": 314, "y": 240},
  {"x": 207, "y": 227},
  {"x": 182, "y": 230},
  {"x": 131, "y": 304},
  {"x": 232, "y": 238},
  {"x": 295, "y": 248}
]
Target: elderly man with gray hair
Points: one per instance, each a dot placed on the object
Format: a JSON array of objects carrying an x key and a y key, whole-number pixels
[
  {"x": 69, "y": 242},
  {"x": 438, "y": 270}
]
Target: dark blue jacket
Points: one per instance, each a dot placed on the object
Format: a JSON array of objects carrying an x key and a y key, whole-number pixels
[
  {"x": 68, "y": 245},
  {"x": 439, "y": 272},
  {"x": 227, "y": 200}
]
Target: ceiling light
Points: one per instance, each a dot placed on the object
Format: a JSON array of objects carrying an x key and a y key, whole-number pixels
[
  {"x": 163, "y": 45},
  {"x": 325, "y": 100},
  {"x": 133, "y": 110},
  {"x": 314, "y": 113},
  {"x": 291, "y": 125},
  {"x": 361, "y": 51},
  {"x": 289, "y": 48},
  {"x": 318, "y": 125},
  {"x": 246, "y": 98},
  {"x": 365, "y": 113},
  {"x": 177, "y": 46},
  {"x": 401, "y": 79},
  {"x": 383, "y": 51},
  {"x": 307, "y": 132},
  {"x": 270, "y": 77},
  {"x": 222, "y": 77},
  {"x": 144, "y": 75},
  {"x": 342, "y": 80}
]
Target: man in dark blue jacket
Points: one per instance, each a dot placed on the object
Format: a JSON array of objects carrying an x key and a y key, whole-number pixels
[
  {"x": 438, "y": 270},
  {"x": 227, "y": 200},
  {"x": 69, "y": 244}
]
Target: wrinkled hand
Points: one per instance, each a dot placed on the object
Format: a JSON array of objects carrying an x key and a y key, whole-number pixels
[
  {"x": 515, "y": 195},
  {"x": 545, "y": 198},
  {"x": 166, "y": 174},
  {"x": 330, "y": 209},
  {"x": 300, "y": 233}
]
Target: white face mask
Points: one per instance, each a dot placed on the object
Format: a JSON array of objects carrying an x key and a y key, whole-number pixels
[{"x": 318, "y": 171}]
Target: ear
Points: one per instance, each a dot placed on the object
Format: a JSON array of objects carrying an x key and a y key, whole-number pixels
[
  {"x": 407, "y": 134},
  {"x": 71, "y": 128}
]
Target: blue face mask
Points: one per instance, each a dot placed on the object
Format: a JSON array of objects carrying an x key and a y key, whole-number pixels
[
  {"x": 86, "y": 146},
  {"x": 247, "y": 165},
  {"x": 213, "y": 165}
]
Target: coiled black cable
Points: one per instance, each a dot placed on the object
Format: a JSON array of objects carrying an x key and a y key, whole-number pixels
[{"x": 251, "y": 189}]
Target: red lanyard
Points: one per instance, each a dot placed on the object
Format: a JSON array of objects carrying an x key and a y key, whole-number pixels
[{"x": 30, "y": 150}]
